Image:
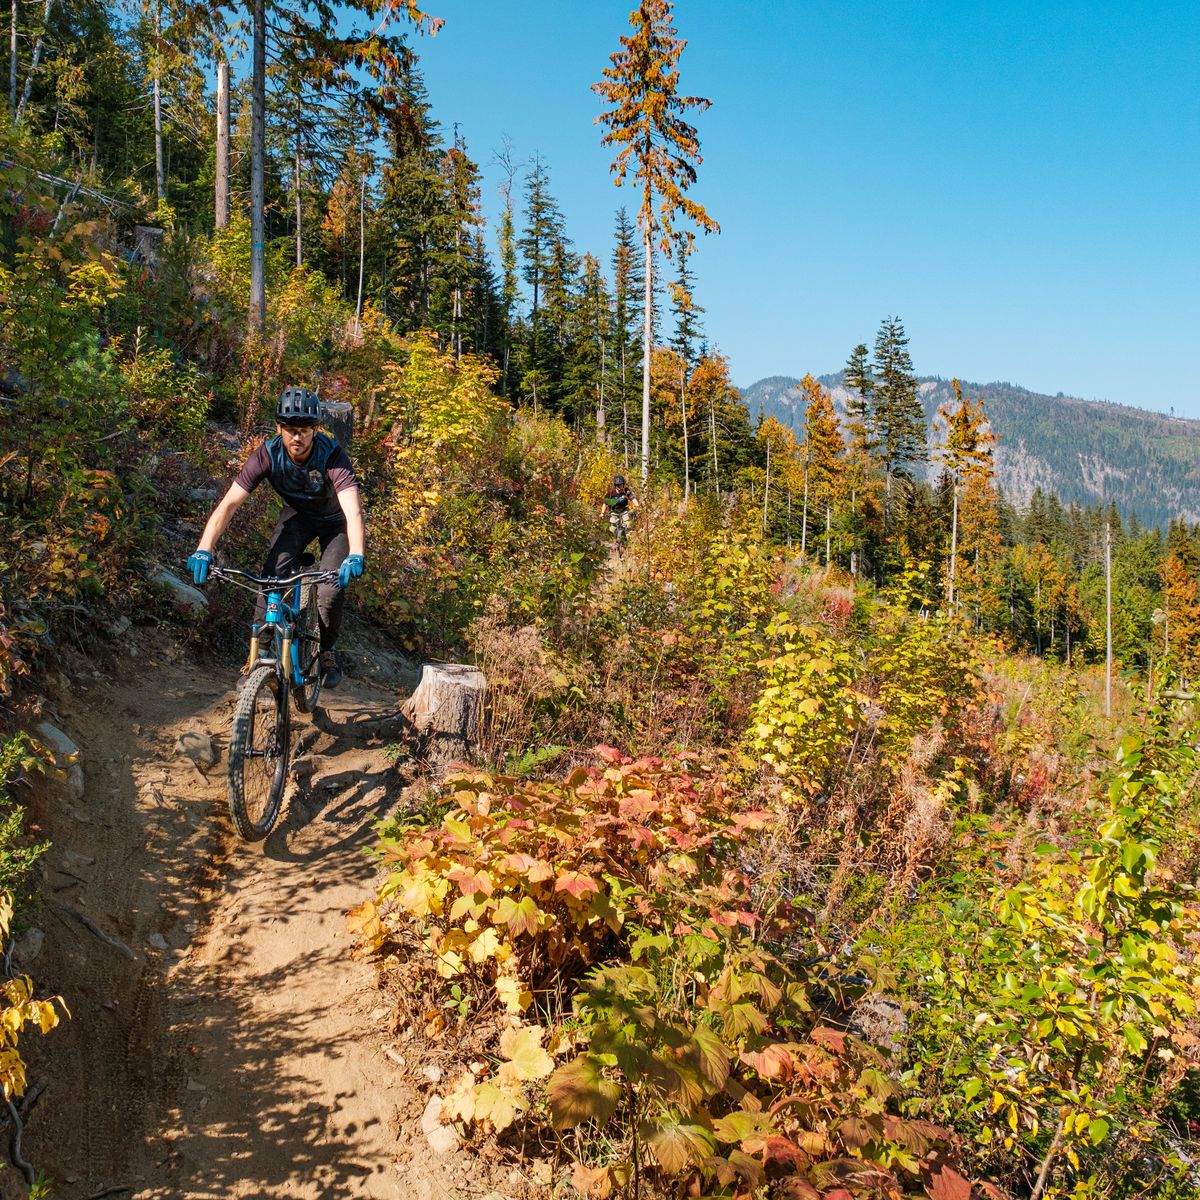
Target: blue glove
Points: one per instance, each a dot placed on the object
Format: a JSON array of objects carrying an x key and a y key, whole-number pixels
[
  {"x": 198, "y": 564},
  {"x": 351, "y": 568}
]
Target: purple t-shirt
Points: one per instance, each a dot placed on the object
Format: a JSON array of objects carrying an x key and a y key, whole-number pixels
[{"x": 310, "y": 487}]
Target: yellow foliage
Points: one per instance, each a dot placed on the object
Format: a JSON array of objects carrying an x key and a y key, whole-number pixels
[{"x": 18, "y": 1009}]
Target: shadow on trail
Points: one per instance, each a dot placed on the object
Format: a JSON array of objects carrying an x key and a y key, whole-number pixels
[
  {"x": 345, "y": 796},
  {"x": 275, "y": 1100},
  {"x": 264, "y": 1122}
]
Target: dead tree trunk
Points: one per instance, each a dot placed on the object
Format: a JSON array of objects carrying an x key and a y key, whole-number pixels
[
  {"x": 221, "y": 209},
  {"x": 33, "y": 65}
]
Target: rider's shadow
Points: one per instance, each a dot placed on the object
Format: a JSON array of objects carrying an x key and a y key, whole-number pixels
[{"x": 348, "y": 802}]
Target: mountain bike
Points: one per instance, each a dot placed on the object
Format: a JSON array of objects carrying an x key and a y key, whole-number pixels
[
  {"x": 618, "y": 523},
  {"x": 282, "y": 667}
]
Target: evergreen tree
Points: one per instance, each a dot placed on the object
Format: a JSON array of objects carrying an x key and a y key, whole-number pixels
[
  {"x": 861, "y": 386},
  {"x": 461, "y": 270},
  {"x": 545, "y": 266},
  {"x": 589, "y": 373},
  {"x": 687, "y": 333},
  {"x": 627, "y": 302},
  {"x": 413, "y": 204},
  {"x": 898, "y": 418}
]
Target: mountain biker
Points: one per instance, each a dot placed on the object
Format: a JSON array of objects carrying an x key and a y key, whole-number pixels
[
  {"x": 315, "y": 479},
  {"x": 619, "y": 502}
]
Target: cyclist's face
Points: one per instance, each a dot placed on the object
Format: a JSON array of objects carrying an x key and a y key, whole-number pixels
[{"x": 297, "y": 440}]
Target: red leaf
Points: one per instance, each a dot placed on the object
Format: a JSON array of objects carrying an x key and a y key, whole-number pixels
[
  {"x": 519, "y": 863},
  {"x": 575, "y": 884},
  {"x": 779, "y": 1152},
  {"x": 751, "y": 820},
  {"x": 639, "y": 836},
  {"x": 945, "y": 1183},
  {"x": 609, "y": 754},
  {"x": 832, "y": 1039},
  {"x": 470, "y": 883}
]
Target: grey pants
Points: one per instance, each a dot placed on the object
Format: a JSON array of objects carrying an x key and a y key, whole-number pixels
[{"x": 289, "y": 541}]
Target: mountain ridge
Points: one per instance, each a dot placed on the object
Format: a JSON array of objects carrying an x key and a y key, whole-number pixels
[{"x": 1084, "y": 451}]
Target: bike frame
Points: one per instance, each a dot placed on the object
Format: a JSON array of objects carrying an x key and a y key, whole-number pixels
[{"x": 279, "y": 620}]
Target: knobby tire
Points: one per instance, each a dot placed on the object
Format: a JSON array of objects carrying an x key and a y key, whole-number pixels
[
  {"x": 258, "y": 755},
  {"x": 309, "y": 646}
]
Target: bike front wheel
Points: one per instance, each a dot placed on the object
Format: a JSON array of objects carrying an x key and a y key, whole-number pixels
[
  {"x": 308, "y": 650},
  {"x": 258, "y": 755}
]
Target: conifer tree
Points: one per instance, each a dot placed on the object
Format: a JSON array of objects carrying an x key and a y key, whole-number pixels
[
  {"x": 861, "y": 385},
  {"x": 589, "y": 372},
  {"x": 414, "y": 203},
  {"x": 309, "y": 29},
  {"x": 627, "y": 301},
  {"x": 898, "y": 419},
  {"x": 687, "y": 331},
  {"x": 980, "y": 579},
  {"x": 1181, "y": 599},
  {"x": 647, "y": 125},
  {"x": 460, "y": 181},
  {"x": 546, "y": 266}
]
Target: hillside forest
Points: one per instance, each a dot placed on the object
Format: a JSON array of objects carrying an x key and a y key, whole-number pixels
[{"x": 838, "y": 840}]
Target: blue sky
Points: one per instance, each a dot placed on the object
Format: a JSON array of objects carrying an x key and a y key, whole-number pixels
[{"x": 1018, "y": 182}]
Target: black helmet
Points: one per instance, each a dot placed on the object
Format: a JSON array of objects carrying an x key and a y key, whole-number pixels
[
  {"x": 298, "y": 406},
  {"x": 619, "y": 481}
]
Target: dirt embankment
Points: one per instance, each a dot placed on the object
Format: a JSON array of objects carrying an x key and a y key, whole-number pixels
[{"x": 227, "y": 1044}]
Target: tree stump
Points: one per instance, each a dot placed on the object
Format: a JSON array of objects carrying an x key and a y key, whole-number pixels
[
  {"x": 339, "y": 420},
  {"x": 447, "y": 710}
]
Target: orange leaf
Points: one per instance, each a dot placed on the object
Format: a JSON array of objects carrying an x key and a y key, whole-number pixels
[
  {"x": 771, "y": 1062},
  {"x": 592, "y": 1181}
]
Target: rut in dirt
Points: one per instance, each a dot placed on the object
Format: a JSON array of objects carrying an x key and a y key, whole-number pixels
[{"x": 236, "y": 1048}]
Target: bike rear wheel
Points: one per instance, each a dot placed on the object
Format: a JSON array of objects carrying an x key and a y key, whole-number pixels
[
  {"x": 308, "y": 649},
  {"x": 258, "y": 754}
]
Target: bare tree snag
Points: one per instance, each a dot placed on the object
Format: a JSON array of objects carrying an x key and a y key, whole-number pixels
[{"x": 221, "y": 214}]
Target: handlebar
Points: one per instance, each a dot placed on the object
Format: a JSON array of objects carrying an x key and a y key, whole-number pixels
[{"x": 233, "y": 575}]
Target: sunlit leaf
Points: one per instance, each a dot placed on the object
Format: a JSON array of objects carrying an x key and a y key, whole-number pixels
[
  {"x": 523, "y": 1048},
  {"x": 578, "y": 1091}
]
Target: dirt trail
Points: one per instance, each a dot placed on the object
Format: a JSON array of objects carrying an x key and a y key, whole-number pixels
[{"x": 237, "y": 1050}]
